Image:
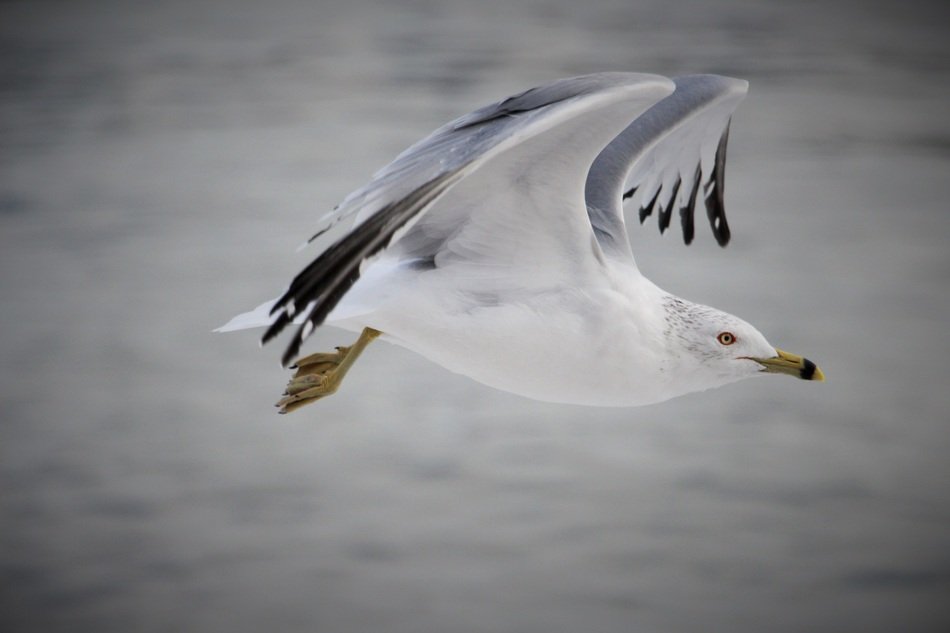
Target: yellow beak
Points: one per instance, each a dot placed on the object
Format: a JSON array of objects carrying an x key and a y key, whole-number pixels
[{"x": 792, "y": 364}]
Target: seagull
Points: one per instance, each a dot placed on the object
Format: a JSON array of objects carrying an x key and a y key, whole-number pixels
[{"x": 496, "y": 247}]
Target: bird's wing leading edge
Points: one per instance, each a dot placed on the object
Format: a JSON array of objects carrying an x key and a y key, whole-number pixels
[
  {"x": 503, "y": 185},
  {"x": 667, "y": 157}
]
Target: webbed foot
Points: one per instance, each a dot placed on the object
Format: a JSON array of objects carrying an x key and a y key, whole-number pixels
[{"x": 319, "y": 375}]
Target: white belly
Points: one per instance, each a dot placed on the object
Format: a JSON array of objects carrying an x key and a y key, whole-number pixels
[{"x": 559, "y": 346}]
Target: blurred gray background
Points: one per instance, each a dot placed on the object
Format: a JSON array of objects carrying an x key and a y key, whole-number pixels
[{"x": 159, "y": 163}]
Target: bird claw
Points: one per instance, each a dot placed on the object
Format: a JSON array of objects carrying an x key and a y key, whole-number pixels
[
  {"x": 319, "y": 375},
  {"x": 302, "y": 390},
  {"x": 316, "y": 377}
]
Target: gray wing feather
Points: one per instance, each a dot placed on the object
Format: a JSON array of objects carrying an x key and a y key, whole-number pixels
[
  {"x": 664, "y": 157},
  {"x": 459, "y": 142},
  {"x": 395, "y": 200}
]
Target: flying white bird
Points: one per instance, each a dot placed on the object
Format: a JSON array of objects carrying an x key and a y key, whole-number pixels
[{"x": 496, "y": 247}]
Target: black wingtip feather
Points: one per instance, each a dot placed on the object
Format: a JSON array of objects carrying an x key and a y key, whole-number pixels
[
  {"x": 276, "y": 327},
  {"x": 688, "y": 212},
  {"x": 715, "y": 198},
  {"x": 719, "y": 226},
  {"x": 686, "y": 221},
  {"x": 664, "y": 215},
  {"x": 318, "y": 315},
  {"x": 646, "y": 211},
  {"x": 325, "y": 280}
]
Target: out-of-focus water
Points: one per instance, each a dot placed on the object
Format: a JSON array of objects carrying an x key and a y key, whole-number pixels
[{"x": 158, "y": 165}]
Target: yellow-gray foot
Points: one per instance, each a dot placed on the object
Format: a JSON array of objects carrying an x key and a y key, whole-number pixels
[{"x": 319, "y": 375}]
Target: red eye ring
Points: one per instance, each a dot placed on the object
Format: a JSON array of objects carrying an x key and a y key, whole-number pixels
[{"x": 726, "y": 338}]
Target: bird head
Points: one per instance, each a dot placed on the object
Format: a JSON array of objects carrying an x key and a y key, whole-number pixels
[{"x": 715, "y": 348}]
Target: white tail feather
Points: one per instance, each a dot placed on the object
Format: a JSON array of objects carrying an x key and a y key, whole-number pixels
[{"x": 258, "y": 317}]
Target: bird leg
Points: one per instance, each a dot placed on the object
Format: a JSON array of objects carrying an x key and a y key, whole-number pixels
[{"x": 319, "y": 375}]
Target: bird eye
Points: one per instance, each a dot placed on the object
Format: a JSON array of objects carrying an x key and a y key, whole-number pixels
[{"x": 726, "y": 338}]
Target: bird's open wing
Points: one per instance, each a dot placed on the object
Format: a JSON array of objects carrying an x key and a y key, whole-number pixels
[
  {"x": 668, "y": 157},
  {"x": 503, "y": 185}
]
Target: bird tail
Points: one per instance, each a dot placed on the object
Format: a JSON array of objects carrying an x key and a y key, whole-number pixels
[{"x": 258, "y": 317}]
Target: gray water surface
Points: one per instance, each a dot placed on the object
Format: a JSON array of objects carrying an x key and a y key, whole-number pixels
[{"x": 160, "y": 162}]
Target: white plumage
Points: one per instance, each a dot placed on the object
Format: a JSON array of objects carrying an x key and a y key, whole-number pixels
[{"x": 496, "y": 246}]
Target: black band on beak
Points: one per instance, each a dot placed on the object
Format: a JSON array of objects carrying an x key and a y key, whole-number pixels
[{"x": 808, "y": 371}]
